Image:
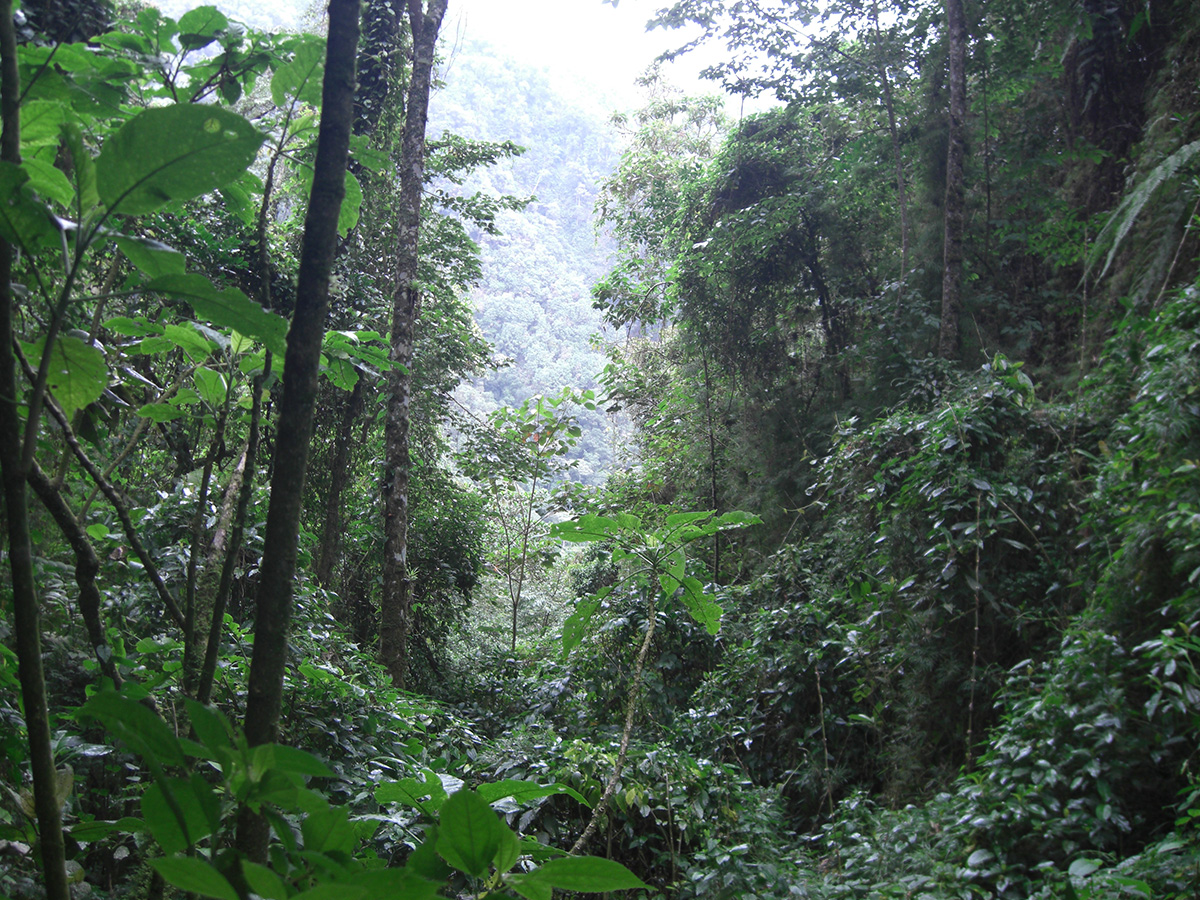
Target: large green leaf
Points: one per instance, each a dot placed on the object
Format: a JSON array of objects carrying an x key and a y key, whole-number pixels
[
  {"x": 211, "y": 386},
  {"x": 228, "y": 308},
  {"x": 576, "y": 625},
  {"x": 200, "y": 27},
  {"x": 427, "y": 796},
  {"x": 144, "y": 732},
  {"x": 329, "y": 831},
  {"x": 194, "y": 808},
  {"x": 703, "y": 608},
  {"x": 77, "y": 375},
  {"x": 586, "y": 528},
  {"x": 586, "y": 874},
  {"x": 194, "y": 875},
  {"x": 173, "y": 153},
  {"x": 470, "y": 834},
  {"x": 524, "y": 791},
  {"x": 24, "y": 221},
  {"x": 301, "y": 77},
  {"x": 152, "y": 257}
]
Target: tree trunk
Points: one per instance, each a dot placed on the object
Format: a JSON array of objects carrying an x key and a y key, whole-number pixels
[
  {"x": 339, "y": 475},
  {"x": 26, "y": 622},
  {"x": 294, "y": 428},
  {"x": 396, "y": 603},
  {"x": 955, "y": 213}
]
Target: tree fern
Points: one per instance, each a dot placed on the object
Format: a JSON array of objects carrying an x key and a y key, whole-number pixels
[{"x": 1119, "y": 225}]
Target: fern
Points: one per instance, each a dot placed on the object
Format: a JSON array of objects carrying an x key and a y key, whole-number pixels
[{"x": 1118, "y": 226}]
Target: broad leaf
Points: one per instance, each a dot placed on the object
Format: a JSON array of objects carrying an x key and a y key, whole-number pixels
[
  {"x": 211, "y": 386},
  {"x": 77, "y": 375},
  {"x": 196, "y": 876},
  {"x": 144, "y": 732},
  {"x": 329, "y": 831},
  {"x": 524, "y": 791},
  {"x": 586, "y": 874},
  {"x": 152, "y": 257},
  {"x": 264, "y": 882},
  {"x": 228, "y": 308},
  {"x": 24, "y": 221},
  {"x": 49, "y": 181},
  {"x": 173, "y": 153},
  {"x": 301, "y": 77},
  {"x": 469, "y": 834},
  {"x": 703, "y": 608},
  {"x": 200, "y": 27},
  {"x": 576, "y": 625}
]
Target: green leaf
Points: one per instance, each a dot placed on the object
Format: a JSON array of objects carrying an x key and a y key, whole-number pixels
[
  {"x": 469, "y": 834},
  {"x": 301, "y": 77},
  {"x": 77, "y": 375},
  {"x": 586, "y": 874},
  {"x": 299, "y": 762},
  {"x": 83, "y": 166},
  {"x": 49, "y": 181},
  {"x": 173, "y": 153},
  {"x": 530, "y": 889},
  {"x": 193, "y": 802},
  {"x": 144, "y": 732},
  {"x": 680, "y": 519},
  {"x": 196, "y": 876},
  {"x": 160, "y": 412},
  {"x": 189, "y": 340},
  {"x": 736, "y": 519},
  {"x": 23, "y": 220},
  {"x": 425, "y": 862},
  {"x": 329, "y": 831},
  {"x": 152, "y": 257},
  {"x": 404, "y": 883},
  {"x": 264, "y": 882},
  {"x": 586, "y": 528},
  {"x": 702, "y": 607},
  {"x": 1081, "y": 868},
  {"x": 211, "y": 386},
  {"x": 199, "y": 27},
  {"x": 524, "y": 791},
  {"x": 97, "y": 532},
  {"x": 351, "y": 204},
  {"x": 427, "y": 796},
  {"x": 228, "y": 308},
  {"x": 509, "y": 850},
  {"x": 210, "y": 725},
  {"x": 576, "y": 625}
]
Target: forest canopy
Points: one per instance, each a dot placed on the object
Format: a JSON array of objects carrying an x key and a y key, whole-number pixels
[{"x": 417, "y": 487}]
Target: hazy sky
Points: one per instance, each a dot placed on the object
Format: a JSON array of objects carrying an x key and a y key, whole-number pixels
[{"x": 577, "y": 40}]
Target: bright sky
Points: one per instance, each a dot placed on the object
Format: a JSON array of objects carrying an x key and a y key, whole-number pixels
[{"x": 582, "y": 41}]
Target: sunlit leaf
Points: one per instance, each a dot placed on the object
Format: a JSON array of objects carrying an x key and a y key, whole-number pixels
[{"x": 173, "y": 153}]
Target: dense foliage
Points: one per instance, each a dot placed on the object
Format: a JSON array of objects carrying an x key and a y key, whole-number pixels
[{"x": 845, "y": 615}]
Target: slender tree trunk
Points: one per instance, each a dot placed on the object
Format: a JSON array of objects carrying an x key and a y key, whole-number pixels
[
  {"x": 87, "y": 565},
  {"x": 396, "y": 603},
  {"x": 339, "y": 475},
  {"x": 294, "y": 429},
  {"x": 955, "y": 212},
  {"x": 26, "y": 622}
]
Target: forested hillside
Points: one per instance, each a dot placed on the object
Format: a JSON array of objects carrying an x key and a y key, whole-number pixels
[{"x": 891, "y": 590}]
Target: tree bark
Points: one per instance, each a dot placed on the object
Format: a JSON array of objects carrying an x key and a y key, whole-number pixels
[
  {"x": 87, "y": 566},
  {"x": 396, "y": 602},
  {"x": 294, "y": 428},
  {"x": 339, "y": 475},
  {"x": 955, "y": 212},
  {"x": 14, "y": 470}
]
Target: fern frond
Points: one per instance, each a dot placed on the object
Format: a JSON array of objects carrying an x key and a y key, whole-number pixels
[{"x": 1121, "y": 222}]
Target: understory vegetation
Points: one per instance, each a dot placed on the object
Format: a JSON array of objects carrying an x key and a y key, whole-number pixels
[{"x": 891, "y": 584}]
